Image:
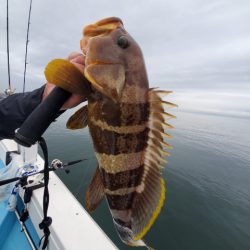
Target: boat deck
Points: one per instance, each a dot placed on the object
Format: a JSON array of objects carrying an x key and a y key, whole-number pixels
[
  {"x": 72, "y": 226},
  {"x": 11, "y": 233}
]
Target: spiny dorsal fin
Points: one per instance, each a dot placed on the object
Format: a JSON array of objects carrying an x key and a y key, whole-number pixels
[
  {"x": 151, "y": 192},
  {"x": 95, "y": 192},
  {"x": 66, "y": 75},
  {"x": 157, "y": 122},
  {"x": 79, "y": 119}
]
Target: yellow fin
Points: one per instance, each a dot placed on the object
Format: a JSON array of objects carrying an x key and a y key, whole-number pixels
[
  {"x": 66, "y": 75},
  {"x": 79, "y": 119},
  {"x": 95, "y": 192},
  {"x": 148, "y": 205}
]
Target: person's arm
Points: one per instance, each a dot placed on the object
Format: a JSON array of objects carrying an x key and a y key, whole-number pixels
[{"x": 15, "y": 109}]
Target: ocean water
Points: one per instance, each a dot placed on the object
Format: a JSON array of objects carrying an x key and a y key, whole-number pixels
[{"x": 207, "y": 204}]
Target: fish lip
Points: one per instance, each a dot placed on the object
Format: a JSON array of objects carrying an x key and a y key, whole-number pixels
[
  {"x": 83, "y": 45},
  {"x": 84, "y": 51},
  {"x": 84, "y": 61}
]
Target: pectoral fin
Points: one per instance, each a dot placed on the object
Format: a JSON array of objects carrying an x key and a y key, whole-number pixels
[
  {"x": 95, "y": 192},
  {"x": 66, "y": 75},
  {"x": 79, "y": 119}
]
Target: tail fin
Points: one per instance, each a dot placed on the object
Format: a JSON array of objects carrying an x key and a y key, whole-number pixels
[{"x": 126, "y": 236}]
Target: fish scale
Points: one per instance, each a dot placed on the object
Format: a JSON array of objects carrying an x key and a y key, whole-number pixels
[{"x": 133, "y": 143}]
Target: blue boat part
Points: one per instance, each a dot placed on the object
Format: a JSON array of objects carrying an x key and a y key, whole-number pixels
[{"x": 12, "y": 234}]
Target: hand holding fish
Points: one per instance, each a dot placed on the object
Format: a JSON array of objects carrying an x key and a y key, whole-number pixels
[{"x": 78, "y": 60}]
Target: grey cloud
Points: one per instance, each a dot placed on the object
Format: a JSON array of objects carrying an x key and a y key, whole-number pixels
[{"x": 186, "y": 43}]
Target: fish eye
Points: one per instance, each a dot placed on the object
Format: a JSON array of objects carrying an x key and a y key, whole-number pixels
[{"x": 122, "y": 41}]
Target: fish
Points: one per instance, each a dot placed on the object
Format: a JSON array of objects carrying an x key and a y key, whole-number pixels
[{"x": 127, "y": 122}]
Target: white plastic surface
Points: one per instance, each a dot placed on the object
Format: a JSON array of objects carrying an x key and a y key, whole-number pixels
[
  {"x": 72, "y": 227},
  {"x": 29, "y": 154},
  {"x": 6, "y": 146}
]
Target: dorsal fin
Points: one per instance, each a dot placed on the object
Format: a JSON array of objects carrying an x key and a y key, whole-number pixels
[{"x": 151, "y": 192}]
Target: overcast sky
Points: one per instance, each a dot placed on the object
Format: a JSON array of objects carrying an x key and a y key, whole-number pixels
[{"x": 187, "y": 44}]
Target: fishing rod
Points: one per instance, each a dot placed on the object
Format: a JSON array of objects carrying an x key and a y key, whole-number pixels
[
  {"x": 8, "y": 50},
  {"x": 55, "y": 165},
  {"x": 26, "y": 48},
  {"x": 10, "y": 91}
]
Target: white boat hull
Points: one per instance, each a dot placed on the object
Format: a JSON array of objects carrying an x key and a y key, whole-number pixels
[{"x": 72, "y": 227}]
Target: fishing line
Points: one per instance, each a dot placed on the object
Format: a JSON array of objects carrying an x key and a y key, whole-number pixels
[
  {"x": 80, "y": 185},
  {"x": 82, "y": 181}
]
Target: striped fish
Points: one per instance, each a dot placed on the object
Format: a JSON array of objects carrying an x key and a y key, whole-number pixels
[{"x": 126, "y": 120}]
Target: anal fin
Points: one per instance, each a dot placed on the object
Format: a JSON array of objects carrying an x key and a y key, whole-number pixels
[{"x": 95, "y": 192}]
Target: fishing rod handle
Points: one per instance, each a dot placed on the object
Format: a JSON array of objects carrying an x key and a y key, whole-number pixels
[{"x": 39, "y": 120}]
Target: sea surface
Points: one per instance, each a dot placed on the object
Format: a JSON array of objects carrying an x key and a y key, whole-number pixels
[{"x": 207, "y": 204}]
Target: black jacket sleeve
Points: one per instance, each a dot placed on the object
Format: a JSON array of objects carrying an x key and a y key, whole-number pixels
[{"x": 15, "y": 109}]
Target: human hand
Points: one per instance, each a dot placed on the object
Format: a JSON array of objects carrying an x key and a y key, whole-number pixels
[{"x": 78, "y": 60}]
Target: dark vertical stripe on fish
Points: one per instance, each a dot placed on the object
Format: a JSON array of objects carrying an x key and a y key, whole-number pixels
[
  {"x": 120, "y": 202},
  {"x": 124, "y": 179},
  {"x": 125, "y": 114},
  {"x": 112, "y": 143}
]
